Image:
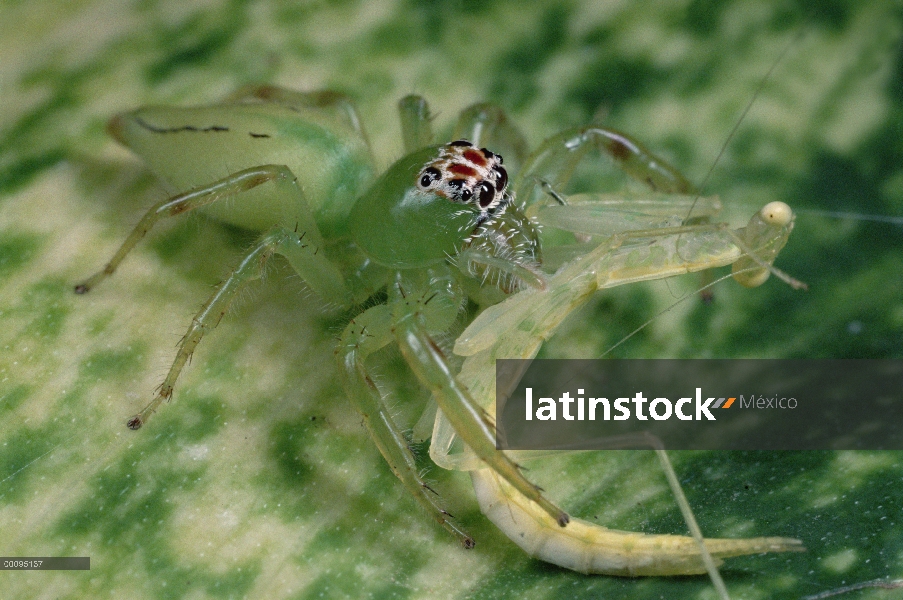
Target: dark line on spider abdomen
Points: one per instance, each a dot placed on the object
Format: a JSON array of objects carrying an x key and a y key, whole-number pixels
[
  {"x": 192, "y": 128},
  {"x": 155, "y": 129}
]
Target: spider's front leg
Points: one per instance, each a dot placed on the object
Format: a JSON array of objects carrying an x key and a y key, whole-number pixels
[
  {"x": 476, "y": 428},
  {"x": 367, "y": 333}
]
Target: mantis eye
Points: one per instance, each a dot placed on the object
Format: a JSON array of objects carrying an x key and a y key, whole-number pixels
[{"x": 428, "y": 177}]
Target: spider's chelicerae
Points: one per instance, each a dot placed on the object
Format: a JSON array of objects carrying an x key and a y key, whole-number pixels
[{"x": 443, "y": 225}]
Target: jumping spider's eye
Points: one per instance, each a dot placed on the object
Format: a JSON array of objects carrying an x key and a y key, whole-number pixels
[
  {"x": 463, "y": 194},
  {"x": 500, "y": 175},
  {"x": 461, "y": 143},
  {"x": 428, "y": 177},
  {"x": 486, "y": 193},
  {"x": 489, "y": 154}
]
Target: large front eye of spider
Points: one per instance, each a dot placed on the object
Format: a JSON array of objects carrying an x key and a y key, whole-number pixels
[
  {"x": 428, "y": 177},
  {"x": 485, "y": 194}
]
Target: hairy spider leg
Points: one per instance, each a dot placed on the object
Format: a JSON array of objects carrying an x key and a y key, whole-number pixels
[
  {"x": 302, "y": 250},
  {"x": 556, "y": 158},
  {"x": 365, "y": 334},
  {"x": 472, "y": 423}
]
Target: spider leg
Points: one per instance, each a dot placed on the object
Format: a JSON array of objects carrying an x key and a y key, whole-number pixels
[
  {"x": 366, "y": 334},
  {"x": 554, "y": 161},
  {"x": 416, "y": 122},
  {"x": 277, "y": 241},
  {"x": 485, "y": 124},
  {"x": 301, "y": 247},
  {"x": 481, "y": 124},
  {"x": 472, "y": 424},
  {"x": 315, "y": 269}
]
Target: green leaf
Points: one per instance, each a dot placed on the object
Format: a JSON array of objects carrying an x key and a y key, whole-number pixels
[{"x": 258, "y": 480}]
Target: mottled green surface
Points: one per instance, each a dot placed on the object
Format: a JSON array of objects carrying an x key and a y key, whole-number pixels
[{"x": 259, "y": 479}]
